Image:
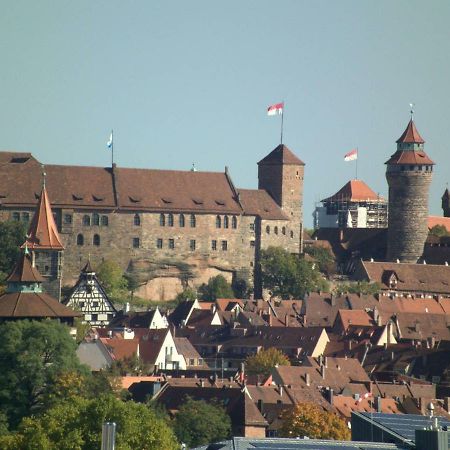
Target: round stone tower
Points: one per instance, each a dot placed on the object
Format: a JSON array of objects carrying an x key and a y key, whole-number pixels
[{"x": 409, "y": 172}]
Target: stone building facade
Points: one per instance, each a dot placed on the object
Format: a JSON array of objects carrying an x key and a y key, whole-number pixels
[
  {"x": 172, "y": 229},
  {"x": 409, "y": 172}
]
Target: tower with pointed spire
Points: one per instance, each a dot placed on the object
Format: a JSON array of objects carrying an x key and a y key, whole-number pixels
[
  {"x": 446, "y": 203},
  {"x": 281, "y": 174},
  {"x": 409, "y": 172},
  {"x": 45, "y": 245}
]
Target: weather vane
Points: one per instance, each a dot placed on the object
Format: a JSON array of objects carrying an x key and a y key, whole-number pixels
[
  {"x": 43, "y": 175},
  {"x": 411, "y": 105}
]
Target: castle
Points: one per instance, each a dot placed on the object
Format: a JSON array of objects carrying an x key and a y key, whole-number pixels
[{"x": 171, "y": 229}]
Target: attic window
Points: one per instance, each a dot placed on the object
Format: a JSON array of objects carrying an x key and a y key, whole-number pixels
[
  {"x": 220, "y": 202},
  {"x": 134, "y": 199},
  {"x": 97, "y": 198},
  {"x": 3, "y": 195},
  {"x": 197, "y": 201},
  {"x": 77, "y": 196},
  {"x": 19, "y": 160},
  {"x": 266, "y": 209},
  {"x": 167, "y": 200}
]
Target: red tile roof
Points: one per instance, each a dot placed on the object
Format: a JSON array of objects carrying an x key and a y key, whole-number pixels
[
  {"x": 354, "y": 191},
  {"x": 411, "y": 135},
  {"x": 438, "y": 220},
  {"x": 24, "y": 272},
  {"x": 281, "y": 155},
  {"x": 409, "y": 157},
  {"x": 355, "y": 317},
  {"x": 121, "y": 348},
  {"x": 259, "y": 203},
  {"x": 43, "y": 233}
]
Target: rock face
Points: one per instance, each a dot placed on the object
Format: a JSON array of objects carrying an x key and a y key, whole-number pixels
[{"x": 409, "y": 173}]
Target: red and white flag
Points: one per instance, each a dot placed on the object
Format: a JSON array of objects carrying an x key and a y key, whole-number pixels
[
  {"x": 363, "y": 397},
  {"x": 276, "y": 109},
  {"x": 351, "y": 155}
]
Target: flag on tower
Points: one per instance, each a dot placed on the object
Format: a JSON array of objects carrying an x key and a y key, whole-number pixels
[
  {"x": 275, "y": 110},
  {"x": 109, "y": 144},
  {"x": 351, "y": 155}
]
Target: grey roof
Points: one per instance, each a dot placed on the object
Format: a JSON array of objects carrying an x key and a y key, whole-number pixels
[
  {"x": 94, "y": 355},
  {"x": 240, "y": 443}
]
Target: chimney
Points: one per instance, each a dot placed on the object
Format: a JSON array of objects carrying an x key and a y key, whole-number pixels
[
  {"x": 325, "y": 361},
  {"x": 330, "y": 395},
  {"x": 308, "y": 379},
  {"x": 332, "y": 300},
  {"x": 322, "y": 371},
  {"x": 378, "y": 403},
  {"x": 281, "y": 390}
]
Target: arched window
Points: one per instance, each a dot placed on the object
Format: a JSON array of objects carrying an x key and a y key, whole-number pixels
[
  {"x": 181, "y": 220},
  {"x": 170, "y": 220},
  {"x": 283, "y": 230},
  {"x": 96, "y": 240},
  {"x": 95, "y": 219},
  {"x": 105, "y": 221},
  {"x": 292, "y": 234},
  {"x": 225, "y": 222},
  {"x": 268, "y": 229},
  {"x": 275, "y": 230},
  {"x": 218, "y": 222},
  {"x": 86, "y": 220},
  {"x": 193, "y": 221},
  {"x": 80, "y": 239},
  {"x": 234, "y": 222},
  {"x": 137, "y": 220},
  {"x": 162, "y": 220}
]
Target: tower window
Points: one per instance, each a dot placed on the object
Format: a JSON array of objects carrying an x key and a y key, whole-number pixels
[
  {"x": 181, "y": 220},
  {"x": 95, "y": 219},
  {"x": 171, "y": 244},
  {"x": 96, "y": 240},
  {"x": 193, "y": 221},
  {"x": 268, "y": 229},
  {"x": 252, "y": 226},
  {"x": 225, "y": 222},
  {"x": 252, "y": 243},
  {"x": 234, "y": 222},
  {"x": 283, "y": 230},
  {"x": 213, "y": 244},
  {"x": 105, "y": 221},
  {"x": 67, "y": 219},
  {"x": 86, "y": 220},
  {"x": 292, "y": 234},
  {"x": 162, "y": 220},
  {"x": 192, "y": 244},
  {"x": 136, "y": 242},
  {"x": 80, "y": 239},
  {"x": 218, "y": 222},
  {"x": 159, "y": 243},
  {"x": 275, "y": 230},
  {"x": 224, "y": 246},
  {"x": 137, "y": 220},
  {"x": 170, "y": 220}
]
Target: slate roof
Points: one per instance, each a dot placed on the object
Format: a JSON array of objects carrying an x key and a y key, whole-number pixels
[
  {"x": 281, "y": 155},
  {"x": 354, "y": 191},
  {"x": 24, "y": 272},
  {"x": 135, "y": 319},
  {"x": 411, "y": 277}
]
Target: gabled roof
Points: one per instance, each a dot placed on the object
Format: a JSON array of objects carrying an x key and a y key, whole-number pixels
[
  {"x": 259, "y": 203},
  {"x": 354, "y": 191},
  {"x": 410, "y": 135},
  {"x": 121, "y": 348},
  {"x": 281, "y": 155},
  {"x": 24, "y": 272},
  {"x": 43, "y": 233}
]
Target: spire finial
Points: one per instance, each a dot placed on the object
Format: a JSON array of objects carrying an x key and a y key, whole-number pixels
[
  {"x": 193, "y": 169},
  {"x": 43, "y": 175},
  {"x": 411, "y": 111}
]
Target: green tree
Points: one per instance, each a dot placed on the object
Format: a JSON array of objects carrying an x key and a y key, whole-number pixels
[
  {"x": 198, "y": 423},
  {"x": 187, "y": 294},
  {"x": 310, "y": 420},
  {"x": 217, "y": 287},
  {"x": 76, "y": 424},
  {"x": 324, "y": 258},
  {"x": 240, "y": 288},
  {"x": 289, "y": 276},
  {"x": 358, "y": 287},
  {"x": 112, "y": 278},
  {"x": 32, "y": 355},
  {"x": 12, "y": 236},
  {"x": 439, "y": 231},
  {"x": 265, "y": 360}
]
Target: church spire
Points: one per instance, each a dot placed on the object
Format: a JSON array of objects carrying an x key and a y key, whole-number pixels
[{"x": 43, "y": 232}]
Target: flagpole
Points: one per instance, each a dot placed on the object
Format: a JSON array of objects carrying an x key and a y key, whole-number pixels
[
  {"x": 357, "y": 151},
  {"x": 112, "y": 148}
]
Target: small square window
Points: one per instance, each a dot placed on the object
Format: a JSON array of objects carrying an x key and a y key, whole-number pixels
[
  {"x": 136, "y": 243},
  {"x": 252, "y": 226},
  {"x": 94, "y": 317},
  {"x": 159, "y": 243},
  {"x": 252, "y": 243},
  {"x": 67, "y": 219},
  {"x": 213, "y": 244},
  {"x": 192, "y": 244},
  {"x": 171, "y": 243}
]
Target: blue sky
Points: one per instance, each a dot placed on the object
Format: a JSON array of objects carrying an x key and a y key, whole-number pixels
[{"x": 183, "y": 82}]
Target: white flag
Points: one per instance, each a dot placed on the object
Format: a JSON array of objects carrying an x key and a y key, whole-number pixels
[{"x": 109, "y": 144}]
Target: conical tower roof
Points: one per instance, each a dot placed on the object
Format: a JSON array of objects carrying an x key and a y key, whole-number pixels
[
  {"x": 87, "y": 268},
  {"x": 410, "y": 135},
  {"x": 24, "y": 272},
  {"x": 43, "y": 232},
  {"x": 281, "y": 155}
]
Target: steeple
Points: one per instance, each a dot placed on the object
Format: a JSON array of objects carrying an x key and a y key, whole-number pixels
[
  {"x": 43, "y": 232},
  {"x": 24, "y": 277},
  {"x": 410, "y": 135}
]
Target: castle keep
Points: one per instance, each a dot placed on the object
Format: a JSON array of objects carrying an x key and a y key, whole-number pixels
[
  {"x": 170, "y": 228},
  {"x": 408, "y": 173}
]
